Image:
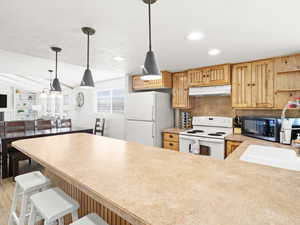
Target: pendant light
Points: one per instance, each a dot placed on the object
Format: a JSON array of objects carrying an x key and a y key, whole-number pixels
[
  {"x": 51, "y": 87},
  {"x": 151, "y": 69},
  {"x": 87, "y": 80},
  {"x": 56, "y": 83}
]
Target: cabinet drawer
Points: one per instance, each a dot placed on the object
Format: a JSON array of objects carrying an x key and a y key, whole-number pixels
[
  {"x": 171, "y": 137},
  {"x": 171, "y": 145}
]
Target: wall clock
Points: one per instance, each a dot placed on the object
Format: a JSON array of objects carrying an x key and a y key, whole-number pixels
[{"x": 80, "y": 99}]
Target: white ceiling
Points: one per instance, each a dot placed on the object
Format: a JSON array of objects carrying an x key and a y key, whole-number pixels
[{"x": 241, "y": 29}]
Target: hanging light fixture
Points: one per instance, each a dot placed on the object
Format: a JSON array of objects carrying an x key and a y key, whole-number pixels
[
  {"x": 87, "y": 80},
  {"x": 151, "y": 69},
  {"x": 56, "y": 83},
  {"x": 51, "y": 87}
]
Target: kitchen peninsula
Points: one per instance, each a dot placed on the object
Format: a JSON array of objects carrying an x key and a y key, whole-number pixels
[{"x": 125, "y": 182}]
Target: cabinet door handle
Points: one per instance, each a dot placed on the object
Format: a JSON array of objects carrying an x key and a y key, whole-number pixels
[
  {"x": 171, "y": 136},
  {"x": 253, "y": 85},
  {"x": 171, "y": 144},
  {"x": 248, "y": 85}
]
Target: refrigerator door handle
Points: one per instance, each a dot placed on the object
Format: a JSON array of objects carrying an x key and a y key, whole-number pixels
[
  {"x": 153, "y": 111},
  {"x": 153, "y": 130}
]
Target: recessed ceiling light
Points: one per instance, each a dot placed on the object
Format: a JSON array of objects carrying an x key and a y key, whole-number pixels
[
  {"x": 214, "y": 51},
  {"x": 118, "y": 58},
  {"x": 195, "y": 36}
]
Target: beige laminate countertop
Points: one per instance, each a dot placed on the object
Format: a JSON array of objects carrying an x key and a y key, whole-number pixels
[
  {"x": 148, "y": 185},
  {"x": 173, "y": 130},
  {"x": 241, "y": 138}
]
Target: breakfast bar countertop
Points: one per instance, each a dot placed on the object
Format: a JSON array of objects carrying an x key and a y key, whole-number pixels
[{"x": 151, "y": 186}]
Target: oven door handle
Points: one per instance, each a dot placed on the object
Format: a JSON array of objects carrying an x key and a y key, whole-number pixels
[
  {"x": 212, "y": 140},
  {"x": 189, "y": 138}
]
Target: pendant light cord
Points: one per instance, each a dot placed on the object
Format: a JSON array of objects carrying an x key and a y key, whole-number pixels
[
  {"x": 56, "y": 64},
  {"x": 88, "y": 51},
  {"x": 50, "y": 80},
  {"x": 150, "y": 35}
]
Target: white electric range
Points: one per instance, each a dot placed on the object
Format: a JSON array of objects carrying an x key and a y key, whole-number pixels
[{"x": 207, "y": 136}]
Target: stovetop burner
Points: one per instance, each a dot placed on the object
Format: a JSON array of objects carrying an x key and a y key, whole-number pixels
[
  {"x": 215, "y": 134},
  {"x": 194, "y": 131}
]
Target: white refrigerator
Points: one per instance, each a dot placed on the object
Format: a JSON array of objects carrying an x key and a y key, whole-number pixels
[{"x": 147, "y": 114}]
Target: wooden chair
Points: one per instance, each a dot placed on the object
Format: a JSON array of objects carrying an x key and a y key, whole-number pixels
[
  {"x": 2, "y": 127},
  {"x": 14, "y": 126},
  {"x": 64, "y": 123},
  {"x": 43, "y": 124},
  {"x": 15, "y": 156},
  {"x": 29, "y": 125},
  {"x": 99, "y": 126}
]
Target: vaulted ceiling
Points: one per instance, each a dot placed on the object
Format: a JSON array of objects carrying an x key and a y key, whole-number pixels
[{"x": 241, "y": 29}]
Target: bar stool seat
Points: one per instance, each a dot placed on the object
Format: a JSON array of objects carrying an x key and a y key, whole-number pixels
[
  {"x": 52, "y": 205},
  {"x": 26, "y": 185},
  {"x": 32, "y": 181},
  {"x": 90, "y": 219}
]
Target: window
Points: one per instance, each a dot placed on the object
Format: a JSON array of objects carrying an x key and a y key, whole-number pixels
[{"x": 110, "y": 101}]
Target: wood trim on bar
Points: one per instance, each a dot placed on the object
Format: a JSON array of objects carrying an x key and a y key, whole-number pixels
[{"x": 87, "y": 204}]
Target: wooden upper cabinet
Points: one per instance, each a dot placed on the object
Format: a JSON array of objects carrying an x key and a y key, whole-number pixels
[
  {"x": 165, "y": 82},
  {"x": 253, "y": 85},
  {"x": 287, "y": 80},
  {"x": 241, "y": 86},
  {"x": 210, "y": 76},
  {"x": 286, "y": 64},
  {"x": 263, "y": 84},
  {"x": 180, "y": 94}
]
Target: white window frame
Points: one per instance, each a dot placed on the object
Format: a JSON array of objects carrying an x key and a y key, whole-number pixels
[{"x": 110, "y": 90}]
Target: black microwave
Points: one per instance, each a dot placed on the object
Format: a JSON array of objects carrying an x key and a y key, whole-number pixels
[{"x": 262, "y": 128}]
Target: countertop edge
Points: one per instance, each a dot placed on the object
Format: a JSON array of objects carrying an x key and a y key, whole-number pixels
[{"x": 125, "y": 214}]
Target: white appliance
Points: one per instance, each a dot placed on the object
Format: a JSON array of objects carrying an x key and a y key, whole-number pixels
[
  {"x": 224, "y": 90},
  {"x": 147, "y": 114},
  {"x": 207, "y": 136}
]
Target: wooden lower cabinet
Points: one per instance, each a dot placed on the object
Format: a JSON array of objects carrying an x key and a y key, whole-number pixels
[
  {"x": 231, "y": 146},
  {"x": 171, "y": 141}
]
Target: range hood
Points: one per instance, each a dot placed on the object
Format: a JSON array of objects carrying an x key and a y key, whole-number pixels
[{"x": 211, "y": 91}]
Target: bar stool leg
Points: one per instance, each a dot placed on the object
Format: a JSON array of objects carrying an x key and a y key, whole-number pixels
[
  {"x": 23, "y": 209},
  {"x": 13, "y": 206},
  {"x": 61, "y": 221},
  {"x": 74, "y": 216},
  {"x": 32, "y": 216}
]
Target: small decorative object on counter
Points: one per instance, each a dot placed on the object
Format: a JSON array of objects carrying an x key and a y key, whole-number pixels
[{"x": 237, "y": 124}]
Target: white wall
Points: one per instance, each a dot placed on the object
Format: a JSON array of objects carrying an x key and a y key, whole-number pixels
[{"x": 86, "y": 115}]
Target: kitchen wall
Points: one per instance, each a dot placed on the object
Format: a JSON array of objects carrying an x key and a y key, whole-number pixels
[
  {"x": 86, "y": 115},
  {"x": 212, "y": 106},
  {"x": 221, "y": 106}
]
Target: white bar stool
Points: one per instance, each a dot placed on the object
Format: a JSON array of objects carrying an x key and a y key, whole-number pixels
[
  {"x": 90, "y": 219},
  {"x": 52, "y": 205},
  {"x": 26, "y": 185}
]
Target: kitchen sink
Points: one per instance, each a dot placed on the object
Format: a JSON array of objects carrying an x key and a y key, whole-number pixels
[{"x": 272, "y": 156}]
